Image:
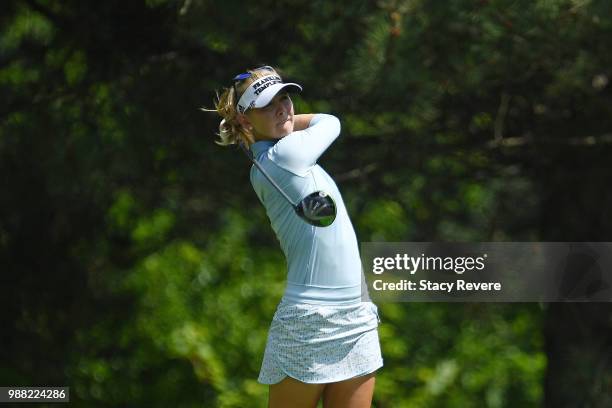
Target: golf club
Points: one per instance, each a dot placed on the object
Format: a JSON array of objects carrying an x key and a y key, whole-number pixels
[{"x": 318, "y": 208}]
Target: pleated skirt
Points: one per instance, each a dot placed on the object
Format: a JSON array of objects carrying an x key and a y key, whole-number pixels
[{"x": 321, "y": 343}]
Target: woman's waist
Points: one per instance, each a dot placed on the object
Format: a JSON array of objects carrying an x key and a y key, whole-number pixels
[{"x": 325, "y": 295}]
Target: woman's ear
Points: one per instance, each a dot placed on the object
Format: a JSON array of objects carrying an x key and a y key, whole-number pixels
[{"x": 244, "y": 121}]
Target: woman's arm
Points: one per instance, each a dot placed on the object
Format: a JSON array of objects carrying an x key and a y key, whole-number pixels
[
  {"x": 302, "y": 121},
  {"x": 299, "y": 151}
]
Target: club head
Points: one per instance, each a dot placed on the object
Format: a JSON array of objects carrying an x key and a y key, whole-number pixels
[{"x": 318, "y": 209}]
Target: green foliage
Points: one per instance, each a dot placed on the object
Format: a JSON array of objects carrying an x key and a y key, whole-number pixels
[{"x": 142, "y": 271}]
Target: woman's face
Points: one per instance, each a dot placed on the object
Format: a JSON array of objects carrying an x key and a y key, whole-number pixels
[{"x": 273, "y": 121}]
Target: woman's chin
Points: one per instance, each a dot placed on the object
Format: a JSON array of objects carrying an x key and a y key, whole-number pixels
[{"x": 285, "y": 128}]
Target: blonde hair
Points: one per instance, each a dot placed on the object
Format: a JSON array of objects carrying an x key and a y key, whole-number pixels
[{"x": 230, "y": 130}]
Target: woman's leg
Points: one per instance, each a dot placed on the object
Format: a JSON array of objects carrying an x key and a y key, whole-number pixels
[
  {"x": 294, "y": 394},
  {"x": 352, "y": 393}
]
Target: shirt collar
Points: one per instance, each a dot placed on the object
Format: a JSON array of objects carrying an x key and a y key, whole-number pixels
[{"x": 261, "y": 146}]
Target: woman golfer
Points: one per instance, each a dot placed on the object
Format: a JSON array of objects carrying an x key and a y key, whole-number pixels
[{"x": 323, "y": 340}]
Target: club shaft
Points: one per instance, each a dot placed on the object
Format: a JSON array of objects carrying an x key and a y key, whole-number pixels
[{"x": 266, "y": 175}]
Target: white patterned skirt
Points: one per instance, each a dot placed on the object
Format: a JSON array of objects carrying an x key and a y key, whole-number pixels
[{"x": 321, "y": 343}]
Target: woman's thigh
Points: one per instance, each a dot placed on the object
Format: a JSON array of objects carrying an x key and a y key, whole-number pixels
[
  {"x": 293, "y": 393},
  {"x": 353, "y": 393}
]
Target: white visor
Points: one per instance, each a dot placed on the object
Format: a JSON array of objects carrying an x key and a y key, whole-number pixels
[{"x": 261, "y": 92}]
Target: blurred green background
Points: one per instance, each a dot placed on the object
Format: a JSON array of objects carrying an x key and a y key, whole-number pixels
[{"x": 138, "y": 267}]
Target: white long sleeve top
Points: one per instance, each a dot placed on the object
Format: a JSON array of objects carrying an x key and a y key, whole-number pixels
[{"x": 323, "y": 263}]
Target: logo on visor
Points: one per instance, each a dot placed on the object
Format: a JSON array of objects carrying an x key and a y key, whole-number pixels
[
  {"x": 265, "y": 83},
  {"x": 248, "y": 99}
]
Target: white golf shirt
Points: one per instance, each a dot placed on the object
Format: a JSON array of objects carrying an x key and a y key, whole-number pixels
[{"x": 323, "y": 262}]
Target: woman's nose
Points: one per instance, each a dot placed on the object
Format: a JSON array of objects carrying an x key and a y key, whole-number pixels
[{"x": 280, "y": 109}]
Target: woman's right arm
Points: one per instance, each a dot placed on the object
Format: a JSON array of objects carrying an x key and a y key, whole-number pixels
[
  {"x": 300, "y": 150},
  {"x": 302, "y": 121}
]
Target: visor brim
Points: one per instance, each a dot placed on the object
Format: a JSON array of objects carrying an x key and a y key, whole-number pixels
[{"x": 269, "y": 93}]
